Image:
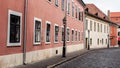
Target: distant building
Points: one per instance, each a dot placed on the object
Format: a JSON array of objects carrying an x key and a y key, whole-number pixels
[
  {"x": 115, "y": 30},
  {"x": 44, "y": 29},
  {"x": 99, "y": 26}
]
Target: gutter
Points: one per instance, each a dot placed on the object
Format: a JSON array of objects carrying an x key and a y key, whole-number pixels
[{"x": 24, "y": 36}]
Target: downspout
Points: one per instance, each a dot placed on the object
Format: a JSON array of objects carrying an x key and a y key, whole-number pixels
[
  {"x": 84, "y": 26},
  {"x": 24, "y": 36}
]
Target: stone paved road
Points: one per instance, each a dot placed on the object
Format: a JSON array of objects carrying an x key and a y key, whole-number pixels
[{"x": 106, "y": 58}]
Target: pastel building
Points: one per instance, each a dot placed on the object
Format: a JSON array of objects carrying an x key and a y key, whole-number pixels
[
  {"x": 32, "y": 30},
  {"x": 97, "y": 27}
]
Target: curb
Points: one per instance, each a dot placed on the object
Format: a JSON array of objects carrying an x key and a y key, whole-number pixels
[
  {"x": 63, "y": 61},
  {"x": 79, "y": 55}
]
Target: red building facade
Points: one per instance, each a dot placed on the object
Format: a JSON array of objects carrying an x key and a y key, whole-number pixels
[
  {"x": 114, "y": 17},
  {"x": 44, "y": 29}
]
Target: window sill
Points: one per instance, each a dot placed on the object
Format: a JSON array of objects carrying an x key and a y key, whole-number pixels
[
  {"x": 36, "y": 43},
  {"x": 13, "y": 44},
  {"x": 56, "y": 42},
  {"x": 47, "y": 42}
]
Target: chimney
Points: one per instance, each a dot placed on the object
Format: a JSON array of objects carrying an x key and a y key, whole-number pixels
[{"x": 108, "y": 14}]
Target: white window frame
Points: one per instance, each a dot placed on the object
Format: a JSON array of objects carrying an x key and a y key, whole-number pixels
[
  {"x": 54, "y": 33},
  {"x": 35, "y": 18},
  {"x": 8, "y": 36},
  {"x": 47, "y": 22},
  {"x": 76, "y": 36}
]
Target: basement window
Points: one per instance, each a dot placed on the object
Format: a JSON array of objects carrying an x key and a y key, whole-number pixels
[{"x": 14, "y": 28}]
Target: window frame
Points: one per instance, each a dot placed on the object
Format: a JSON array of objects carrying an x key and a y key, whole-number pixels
[
  {"x": 57, "y": 3},
  {"x": 38, "y": 19},
  {"x": 61, "y": 33},
  {"x": 54, "y": 33},
  {"x": 67, "y": 34},
  {"x": 73, "y": 35},
  {"x": 47, "y": 22},
  {"x": 79, "y": 37},
  {"x": 8, "y": 34}
]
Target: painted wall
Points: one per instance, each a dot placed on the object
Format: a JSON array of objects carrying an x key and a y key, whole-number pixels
[
  {"x": 46, "y": 11},
  {"x": 113, "y": 35},
  {"x": 95, "y": 35}
]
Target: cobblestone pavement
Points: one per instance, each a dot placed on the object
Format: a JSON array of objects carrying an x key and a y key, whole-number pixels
[{"x": 105, "y": 58}]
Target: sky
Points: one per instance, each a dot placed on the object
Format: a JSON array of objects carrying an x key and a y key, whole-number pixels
[{"x": 105, "y": 5}]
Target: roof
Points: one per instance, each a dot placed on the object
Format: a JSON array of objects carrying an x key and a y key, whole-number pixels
[
  {"x": 114, "y": 14},
  {"x": 81, "y": 2},
  {"x": 92, "y": 9}
]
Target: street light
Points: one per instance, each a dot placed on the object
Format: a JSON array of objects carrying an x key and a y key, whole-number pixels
[
  {"x": 88, "y": 39},
  {"x": 108, "y": 41},
  {"x": 64, "y": 41}
]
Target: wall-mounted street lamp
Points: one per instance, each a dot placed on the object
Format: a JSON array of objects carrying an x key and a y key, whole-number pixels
[
  {"x": 88, "y": 39},
  {"x": 64, "y": 41},
  {"x": 108, "y": 41}
]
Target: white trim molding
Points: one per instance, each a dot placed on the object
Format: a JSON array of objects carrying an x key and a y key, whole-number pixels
[{"x": 8, "y": 34}]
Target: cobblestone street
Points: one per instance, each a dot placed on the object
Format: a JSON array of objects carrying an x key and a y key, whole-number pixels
[{"x": 105, "y": 58}]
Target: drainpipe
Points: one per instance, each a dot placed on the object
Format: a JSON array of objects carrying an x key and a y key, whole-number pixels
[{"x": 24, "y": 38}]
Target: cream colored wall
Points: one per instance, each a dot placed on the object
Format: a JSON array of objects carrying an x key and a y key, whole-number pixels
[
  {"x": 95, "y": 34},
  {"x": 34, "y": 56}
]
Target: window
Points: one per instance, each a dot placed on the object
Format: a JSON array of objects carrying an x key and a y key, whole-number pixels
[
  {"x": 14, "y": 28},
  {"x": 37, "y": 31},
  {"x": 91, "y": 25},
  {"x": 98, "y": 41},
  {"x": 68, "y": 6},
  {"x": 104, "y": 29},
  {"x": 75, "y": 11},
  {"x": 68, "y": 35},
  {"x": 49, "y": 0},
  {"x": 48, "y": 32},
  {"x": 94, "y": 26},
  {"x": 118, "y": 33},
  {"x": 56, "y": 2},
  {"x": 80, "y": 15},
  {"x": 72, "y": 35},
  {"x": 76, "y": 36},
  {"x": 102, "y": 41},
  {"x": 73, "y": 8},
  {"x": 101, "y": 27},
  {"x": 79, "y": 36},
  {"x": 86, "y": 24},
  {"x": 98, "y": 27},
  {"x": 62, "y": 34},
  {"x": 63, "y": 5},
  {"x": 56, "y": 33},
  {"x": 106, "y": 41},
  {"x": 90, "y": 41}
]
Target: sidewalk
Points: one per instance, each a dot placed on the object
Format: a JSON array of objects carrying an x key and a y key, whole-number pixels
[{"x": 51, "y": 62}]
